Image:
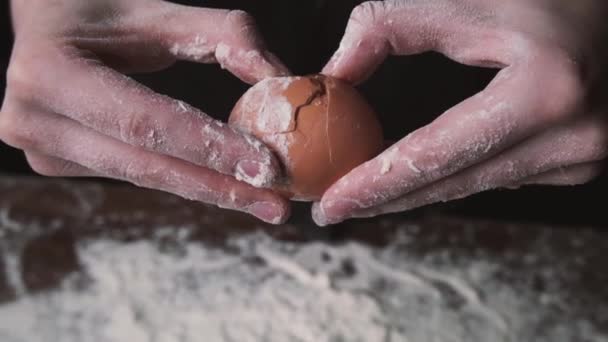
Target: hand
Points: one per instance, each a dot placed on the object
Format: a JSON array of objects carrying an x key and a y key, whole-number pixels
[
  {"x": 71, "y": 109},
  {"x": 536, "y": 123}
]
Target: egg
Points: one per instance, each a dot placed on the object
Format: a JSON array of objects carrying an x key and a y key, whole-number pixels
[{"x": 319, "y": 127}]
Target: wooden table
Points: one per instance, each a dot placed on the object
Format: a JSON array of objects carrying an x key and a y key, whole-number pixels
[{"x": 42, "y": 222}]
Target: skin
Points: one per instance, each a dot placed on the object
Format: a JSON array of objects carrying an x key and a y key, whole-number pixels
[
  {"x": 73, "y": 111},
  {"x": 538, "y": 122}
]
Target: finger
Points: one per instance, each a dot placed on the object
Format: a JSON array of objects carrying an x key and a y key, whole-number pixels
[
  {"x": 567, "y": 155},
  {"x": 204, "y": 35},
  {"x": 564, "y": 176},
  {"x": 364, "y": 46},
  {"x": 377, "y": 29},
  {"x": 511, "y": 109},
  {"x": 117, "y": 106},
  {"x": 571, "y": 175},
  {"x": 64, "y": 138},
  {"x": 56, "y": 167}
]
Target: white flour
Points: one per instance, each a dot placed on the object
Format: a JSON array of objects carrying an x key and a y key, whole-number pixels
[
  {"x": 269, "y": 291},
  {"x": 275, "y": 112},
  {"x": 276, "y": 115},
  {"x": 198, "y": 50}
]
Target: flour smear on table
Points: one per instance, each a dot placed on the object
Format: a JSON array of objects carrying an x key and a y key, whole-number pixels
[{"x": 259, "y": 289}]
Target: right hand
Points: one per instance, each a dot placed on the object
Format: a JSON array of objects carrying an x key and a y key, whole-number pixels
[
  {"x": 70, "y": 107},
  {"x": 542, "y": 120}
]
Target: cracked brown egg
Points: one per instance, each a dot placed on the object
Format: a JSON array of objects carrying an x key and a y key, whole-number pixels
[{"x": 319, "y": 127}]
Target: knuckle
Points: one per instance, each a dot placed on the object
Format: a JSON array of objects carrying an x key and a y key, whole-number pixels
[
  {"x": 140, "y": 131},
  {"x": 141, "y": 172},
  {"x": 566, "y": 93},
  {"x": 427, "y": 163},
  {"x": 426, "y": 167}
]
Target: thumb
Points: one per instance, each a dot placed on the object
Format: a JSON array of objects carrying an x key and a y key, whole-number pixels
[
  {"x": 203, "y": 35},
  {"x": 364, "y": 45},
  {"x": 377, "y": 29}
]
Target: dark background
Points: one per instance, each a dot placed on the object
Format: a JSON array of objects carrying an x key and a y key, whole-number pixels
[{"x": 407, "y": 92}]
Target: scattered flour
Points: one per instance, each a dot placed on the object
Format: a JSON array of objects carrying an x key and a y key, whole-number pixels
[
  {"x": 213, "y": 136},
  {"x": 181, "y": 107},
  {"x": 212, "y": 133},
  {"x": 198, "y": 50},
  {"x": 259, "y": 289},
  {"x": 276, "y": 115},
  {"x": 412, "y": 166},
  {"x": 387, "y": 159},
  {"x": 282, "y": 143},
  {"x": 223, "y": 54},
  {"x": 386, "y": 166},
  {"x": 138, "y": 294},
  {"x": 262, "y": 179},
  {"x": 275, "y": 112}
]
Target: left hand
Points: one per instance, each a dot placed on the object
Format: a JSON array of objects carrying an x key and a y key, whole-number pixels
[
  {"x": 72, "y": 109},
  {"x": 536, "y": 123}
]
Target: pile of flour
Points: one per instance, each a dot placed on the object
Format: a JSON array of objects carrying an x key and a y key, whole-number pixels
[{"x": 259, "y": 289}]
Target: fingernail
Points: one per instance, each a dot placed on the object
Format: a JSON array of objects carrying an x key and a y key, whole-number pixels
[
  {"x": 333, "y": 211},
  {"x": 254, "y": 173},
  {"x": 318, "y": 215},
  {"x": 266, "y": 211}
]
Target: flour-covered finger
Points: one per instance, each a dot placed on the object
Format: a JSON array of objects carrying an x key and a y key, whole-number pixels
[
  {"x": 511, "y": 109},
  {"x": 205, "y": 35},
  {"x": 63, "y": 138},
  {"x": 377, "y": 29},
  {"x": 562, "y": 156},
  {"x": 117, "y": 106}
]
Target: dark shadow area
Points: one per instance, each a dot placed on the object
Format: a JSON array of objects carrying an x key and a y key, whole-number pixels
[{"x": 11, "y": 160}]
